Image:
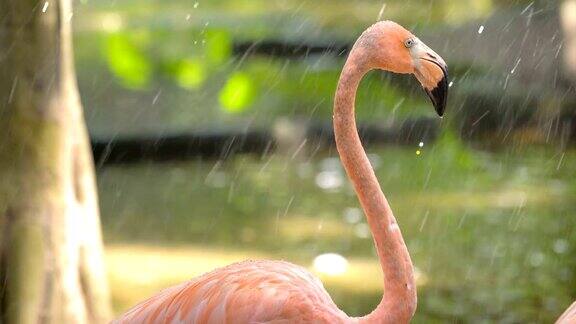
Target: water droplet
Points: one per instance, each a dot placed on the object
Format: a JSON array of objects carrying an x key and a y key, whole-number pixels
[
  {"x": 450, "y": 84},
  {"x": 418, "y": 152},
  {"x": 381, "y": 12},
  {"x": 196, "y": 4},
  {"x": 45, "y": 7},
  {"x": 515, "y": 66},
  {"x": 481, "y": 29},
  {"x": 156, "y": 97},
  {"x": 421, "y": 144}
]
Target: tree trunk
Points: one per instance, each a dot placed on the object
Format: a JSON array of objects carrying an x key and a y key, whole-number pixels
[
  {"x": 568, "y": 23},
  {"x": 51, "y": 256}
]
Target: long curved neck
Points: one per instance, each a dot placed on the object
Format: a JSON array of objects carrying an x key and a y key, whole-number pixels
[{"x": 399, "y": 302}]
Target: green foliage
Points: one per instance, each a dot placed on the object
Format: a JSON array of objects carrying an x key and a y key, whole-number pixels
[
  {"x": 451, "y": 150},
  {"x": 218, "y": 46},
  {"x": 127, "y": 62},
  {"x": 464, "y": 10},
  {"x": 190, "y": 73},
  {"x": 238, "y": 93}
]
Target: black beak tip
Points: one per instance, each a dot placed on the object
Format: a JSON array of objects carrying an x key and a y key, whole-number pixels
[
  {"x": 438, "y": 95},
  {"x": 440, "y": 110}
]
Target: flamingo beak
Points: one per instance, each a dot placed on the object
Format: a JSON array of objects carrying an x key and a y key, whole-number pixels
[
  {"x": 439, "y": 93},
  {"x": 431, "y": 71}
]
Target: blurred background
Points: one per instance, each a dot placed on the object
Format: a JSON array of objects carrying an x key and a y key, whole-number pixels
[{"x": 211, "y": 128}]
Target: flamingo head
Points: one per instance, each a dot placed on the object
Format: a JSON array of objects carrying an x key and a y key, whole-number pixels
[{"x": 395, "y": 49}]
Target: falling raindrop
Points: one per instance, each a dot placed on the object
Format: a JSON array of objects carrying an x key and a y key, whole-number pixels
[
  {"x": 381, "y": 13},
  {"x": 156, "y": 97},
  {"x": 45, "y": 7},
  {"x": 424, "y": 221},
  {"x": 481, "y": 29},
  {"x": 515, "y": 66}
]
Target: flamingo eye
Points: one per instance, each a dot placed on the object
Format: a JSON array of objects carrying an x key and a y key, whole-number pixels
[{"x": 409, "y": 42}]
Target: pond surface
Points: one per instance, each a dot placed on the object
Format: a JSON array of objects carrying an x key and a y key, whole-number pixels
[{"x": 492, "y": 234}]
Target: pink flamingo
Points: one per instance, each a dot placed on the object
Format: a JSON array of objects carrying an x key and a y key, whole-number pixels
[
  {"x": 569, "y": 316},
  {"x": 280, "y": 292}
]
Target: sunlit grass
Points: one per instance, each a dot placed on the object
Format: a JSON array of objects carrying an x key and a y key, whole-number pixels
[
  {"x": 139, "y": 271},
  {"x": 501, "y": 198}
]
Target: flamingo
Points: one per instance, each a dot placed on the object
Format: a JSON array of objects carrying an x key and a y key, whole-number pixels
[
  {"x": 569, "y": 316},
  {"x": 281, "y": 292}
]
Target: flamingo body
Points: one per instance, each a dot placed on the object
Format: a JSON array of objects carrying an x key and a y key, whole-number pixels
[
  {"x": 569, "y": 316},
  {"x": 244, "y": 292}
]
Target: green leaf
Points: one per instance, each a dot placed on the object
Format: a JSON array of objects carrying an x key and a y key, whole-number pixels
[
  {"x": 128, "y": 64},
  {"x": 218, "y": 46},
  {"x": 190, "y": 73},
  {"x": 454, "y": 151},
  {"x": 238, "y": 93}
]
